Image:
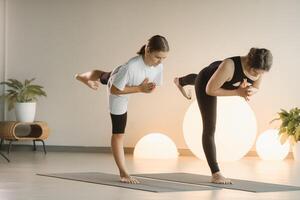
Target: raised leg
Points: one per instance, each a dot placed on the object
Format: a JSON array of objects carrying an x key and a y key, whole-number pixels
[
  {"x": 183, "y": 81},
  {"x": 93, "y": 78}
]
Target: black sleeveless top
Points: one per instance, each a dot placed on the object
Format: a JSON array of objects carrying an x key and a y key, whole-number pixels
[{"x": 238, "y": 75}]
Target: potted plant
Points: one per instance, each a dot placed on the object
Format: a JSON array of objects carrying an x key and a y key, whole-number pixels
[
  {"x": 290, "y": 129},
  {"x": 23, "y": 97}
]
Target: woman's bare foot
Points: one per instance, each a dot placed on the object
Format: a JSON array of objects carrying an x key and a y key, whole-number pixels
[
  {"x": 218, "y": 178},
  {"x": 91, "y": 84},
  {"x": 125, "y": 178},
  {"x": 181, "y": 89}
]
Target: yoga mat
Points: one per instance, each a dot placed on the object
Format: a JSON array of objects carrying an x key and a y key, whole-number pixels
[
  {"x": 244, "y": 185},
  {"x": 149, "y": 185}
]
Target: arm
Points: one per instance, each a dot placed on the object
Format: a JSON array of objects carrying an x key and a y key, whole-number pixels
[
  {"x": 127, "y": 90},
  {"x": 144, "y": 87},
  {"x": 224, "y": 73}
]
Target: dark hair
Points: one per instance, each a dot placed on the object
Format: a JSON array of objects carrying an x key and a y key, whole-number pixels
[
  {"x": 155, "y": 43},
  {"x": 260, "y": 58}
]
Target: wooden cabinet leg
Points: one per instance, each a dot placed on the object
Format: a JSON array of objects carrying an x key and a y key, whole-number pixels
[
  {"x": 2, "y": 140},
  {"x": 34, "y": 146},
  {"x": 44, "y": 146},
  {"x": 9, "y": 146},
  {"x": 4, "y": 157}
]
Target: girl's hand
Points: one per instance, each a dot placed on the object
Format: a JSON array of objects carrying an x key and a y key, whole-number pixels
[{"x": 147, "y": 87}]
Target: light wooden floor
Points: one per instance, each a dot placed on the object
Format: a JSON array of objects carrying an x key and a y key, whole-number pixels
[{"x": 18, "y": 179}]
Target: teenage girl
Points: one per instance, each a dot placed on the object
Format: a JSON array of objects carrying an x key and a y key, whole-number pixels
[{"x": 141, "y": 74}]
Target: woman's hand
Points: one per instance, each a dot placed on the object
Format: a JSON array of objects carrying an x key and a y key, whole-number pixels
[
  {"x": 245, "y": 90},
  {"x": 147, "y": 87},
  {"x": 252, "y": 90}
]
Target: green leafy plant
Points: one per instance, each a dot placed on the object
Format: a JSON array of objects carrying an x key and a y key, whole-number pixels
[
  {"x": 19, "y": 92},
  {"x": 290, "y": 125}
]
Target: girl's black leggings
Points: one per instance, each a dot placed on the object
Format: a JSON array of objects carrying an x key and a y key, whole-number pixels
[
  {"x": 208, "y": 108},
  {"x": 104, "y": 77}
]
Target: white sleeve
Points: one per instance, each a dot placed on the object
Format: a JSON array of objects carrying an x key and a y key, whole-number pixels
[
  {"x": 121, "y": 77},
  {"x": 159, "y": 77}
]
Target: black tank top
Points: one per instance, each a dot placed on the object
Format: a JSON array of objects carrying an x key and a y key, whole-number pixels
[{"x": 238, "y": 75}]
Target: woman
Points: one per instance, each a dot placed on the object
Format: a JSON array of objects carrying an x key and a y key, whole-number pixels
[
  {"x": 235, "y": 76},
  {"x": 141, "y": 74}
]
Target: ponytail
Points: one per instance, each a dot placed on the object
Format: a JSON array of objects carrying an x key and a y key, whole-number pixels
[
  {"x": 142, "y": 50},
  {"x": 155, "y": 43}
]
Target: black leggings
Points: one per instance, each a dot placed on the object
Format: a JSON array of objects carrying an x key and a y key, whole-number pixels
[
  {"x": 208, "y": 108},
  {"x": 118, "y": 123},
  {"x": 104, "y": 76}
]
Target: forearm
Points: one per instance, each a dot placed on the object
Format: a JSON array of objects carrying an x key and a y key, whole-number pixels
[
  {"x": 127, "y": 90},
  {"x": 222, "y": 92}
]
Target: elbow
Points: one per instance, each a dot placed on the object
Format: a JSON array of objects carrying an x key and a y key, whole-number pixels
[
  {"x": 114, "y": 90},
  {"x": 209, "y": 91}
]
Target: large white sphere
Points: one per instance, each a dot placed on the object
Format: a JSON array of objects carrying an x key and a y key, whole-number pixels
[
  {"x": 268, "y": 146},
  {"x": 155, "y": 146},
  {"x": 235, "y": 129}
]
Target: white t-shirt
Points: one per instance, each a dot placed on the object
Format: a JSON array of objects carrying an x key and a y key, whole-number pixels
[{"x": 132, "y": 73}]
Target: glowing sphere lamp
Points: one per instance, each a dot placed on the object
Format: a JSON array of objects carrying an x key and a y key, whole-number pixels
[
  {"x": 268, "y": 146},
  {"x": 235, "y": 129},
  {"x": 155, "y": 146}
]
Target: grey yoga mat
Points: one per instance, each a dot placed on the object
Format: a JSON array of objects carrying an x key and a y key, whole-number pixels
[
  {"x": 146, "y": 184},
  {"x": 249, "y": 186}
]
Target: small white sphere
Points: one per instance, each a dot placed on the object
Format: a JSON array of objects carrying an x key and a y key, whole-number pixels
[
  {"x": 268, "y": 146},
  {"x": 155, "y": 146}
]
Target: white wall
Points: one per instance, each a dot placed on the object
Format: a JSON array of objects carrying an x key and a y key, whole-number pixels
[
  {"x": 2, "y": 53},
  {"x": 54, "y": 39}
]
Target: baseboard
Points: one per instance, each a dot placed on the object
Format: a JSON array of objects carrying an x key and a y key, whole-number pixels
[
  {"x": 83, "y": 149},
  {"x": 55, "y": 148}
]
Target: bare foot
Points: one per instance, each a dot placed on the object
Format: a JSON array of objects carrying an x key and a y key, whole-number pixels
[
  {"x": 181, "y": 89},
  {"x": 91, "y": 84},
  {"x": 220, "y": 179},
  {"x": 129, "y": 179}
]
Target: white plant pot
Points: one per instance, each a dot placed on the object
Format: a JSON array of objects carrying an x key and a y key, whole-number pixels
[
  {"x": 25, "y": 112},
  {"x": 296, "y": 151}
]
